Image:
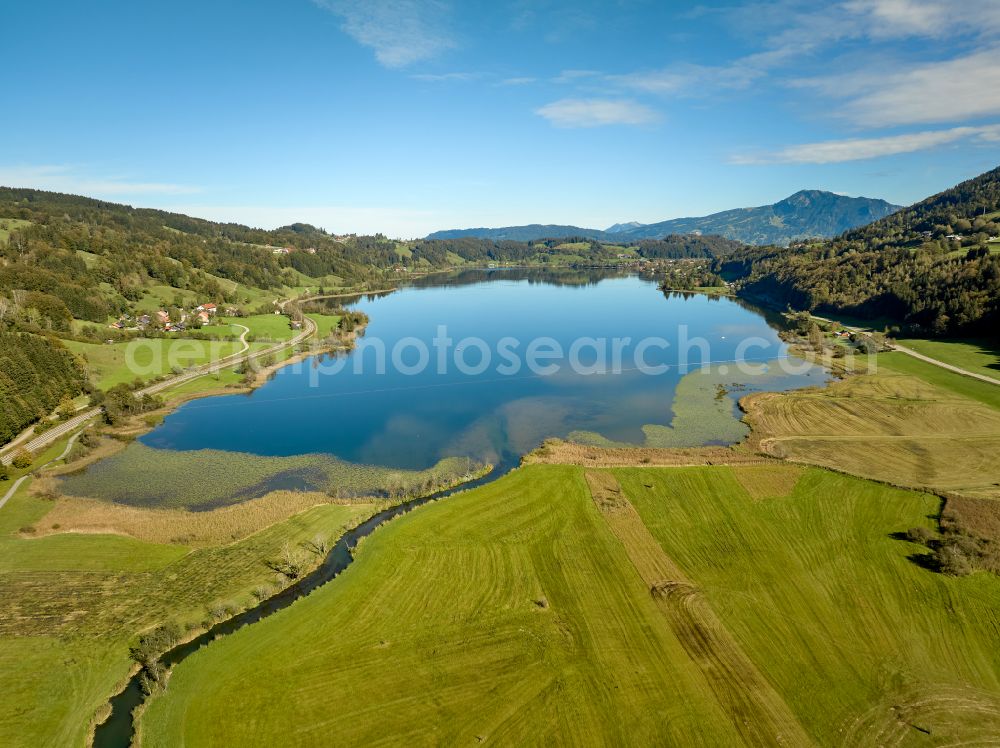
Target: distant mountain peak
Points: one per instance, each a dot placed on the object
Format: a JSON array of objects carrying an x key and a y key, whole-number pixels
[
  {"x": 619, "y": 227},
  {"x": 807, "y": 214}
]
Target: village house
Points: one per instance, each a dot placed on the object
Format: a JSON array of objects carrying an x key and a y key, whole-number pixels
[
  {"x": 204, "y": 318},
  {"x": 208, "y": 308},
  {"x": 162, "y": 317}
]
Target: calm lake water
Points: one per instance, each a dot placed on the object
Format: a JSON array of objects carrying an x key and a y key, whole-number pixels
[{"x": 411, "y": 419}]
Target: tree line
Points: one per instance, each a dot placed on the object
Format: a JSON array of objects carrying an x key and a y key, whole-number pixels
[
  {"x": 930, "y": 268},
  {"x": 36, "y": 374}
]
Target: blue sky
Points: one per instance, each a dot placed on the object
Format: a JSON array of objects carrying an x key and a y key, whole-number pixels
[{"x": 406, "y": 116}]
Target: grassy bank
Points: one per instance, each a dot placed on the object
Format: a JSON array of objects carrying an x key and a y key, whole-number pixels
[
  {"x": 73, "y": 603},
  {"x": 521, "y": 612}
]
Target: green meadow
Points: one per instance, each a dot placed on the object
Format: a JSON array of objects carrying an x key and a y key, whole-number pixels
[
  {"x": 957, "y": 384},
  {"x": 978, "y": 356},
  {"x": 72, "y": 604},
  {"x": 147, "y": 358},
  {"x": 669, "y": 606}
]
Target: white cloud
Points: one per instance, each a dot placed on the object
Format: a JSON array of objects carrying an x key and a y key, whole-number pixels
[
  {"x": 689, "y": 79},
  {"x": 64, "y": 178},
  {"x": 791, "y": 30},
  {"x": 960, "y": 89},
  {"x": 857, "y": 149},
  {"x": 446, "y": 77},
  {"x": 597, "y": 113},
  {"x": 575, "y": 76},
  {"x": 927, "y": 18},
  {"x": 401, "y": 32},
  {"x": 521, "y": 81}
]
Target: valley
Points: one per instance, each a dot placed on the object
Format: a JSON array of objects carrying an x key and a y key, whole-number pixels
[
  {"x": 427, "y": 373},
  {"x": 567, "y": 491}
]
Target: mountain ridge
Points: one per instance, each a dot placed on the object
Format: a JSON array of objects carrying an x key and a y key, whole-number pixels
[{"x": 806, "y": 214}]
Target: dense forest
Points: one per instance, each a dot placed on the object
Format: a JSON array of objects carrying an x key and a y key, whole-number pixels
[
  {"x": 70, "y": 257},
  {"x": 35, "y": 374},
  {"x": 930, "y": 268}
]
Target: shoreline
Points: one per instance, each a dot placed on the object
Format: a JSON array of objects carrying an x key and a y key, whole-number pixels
[{"x": 340, "y": 555}]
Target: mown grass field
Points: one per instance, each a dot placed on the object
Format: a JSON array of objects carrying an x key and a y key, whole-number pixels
[
  {"x": 262, "y": 326},
  {"x": 147, "y": 358},
  {"x": 71, "y": 604},
  {"x": 978, "y": 356},
  {"x": 682, "y": 610},
  {"x": 956, "y": 384},
  {"x": 325, "y": 324},
  {"x": 911, "y": 424}
]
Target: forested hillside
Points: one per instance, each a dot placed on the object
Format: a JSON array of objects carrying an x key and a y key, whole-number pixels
[
  {"x": 65, "y": 258},
  {"x": 96, "y": 272},
  {"x": 932, "y": 267},
  {"x": 35, "y": 374}
]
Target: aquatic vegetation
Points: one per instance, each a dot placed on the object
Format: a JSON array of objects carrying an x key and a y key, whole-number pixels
[
  {"x": 703, "y": 410},
  {"x": 143, "y": 476}
]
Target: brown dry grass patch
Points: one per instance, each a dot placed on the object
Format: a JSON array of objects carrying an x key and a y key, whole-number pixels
[
  {"x": 558, "y": 452},
  {"x": 219, "y": 526},
  {"x": 768, "y": 481},
  {"x": 890, "y": 427},
  {"x": 977, "y": 517}
]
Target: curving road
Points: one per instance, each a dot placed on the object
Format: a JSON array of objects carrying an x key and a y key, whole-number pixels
[
  {"x": 19, "y": 481},
  {"x": 944, "y": 365},
  {"x": 910, "y": 352},
  {"x": 53, "y": 434}
]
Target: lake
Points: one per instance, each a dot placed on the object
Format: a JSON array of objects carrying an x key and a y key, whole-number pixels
[{"x": 450, "y": 385}]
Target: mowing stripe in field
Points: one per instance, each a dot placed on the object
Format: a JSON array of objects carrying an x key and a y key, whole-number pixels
[{"x": 757, "y": 711}]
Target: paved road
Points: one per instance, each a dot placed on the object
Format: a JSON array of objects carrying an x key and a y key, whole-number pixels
[
  {"x": 16, "y": 484},
  {"x": 53, "y": 434},
  {"x": 944, "y": 365},
  {"x": 921, "y": 356}
]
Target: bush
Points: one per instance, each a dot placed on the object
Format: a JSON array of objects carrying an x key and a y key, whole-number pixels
[
  {"x": 22, "y": 460},
  {"x": 957, "y": 554},
  {"x": 919, "y": 535},
  {"x": 150, "y": 646}
]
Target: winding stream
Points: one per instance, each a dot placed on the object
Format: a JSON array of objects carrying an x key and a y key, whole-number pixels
[
  {"x": 118, "y": 729},
  {"x": 410, "y": 420}
]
